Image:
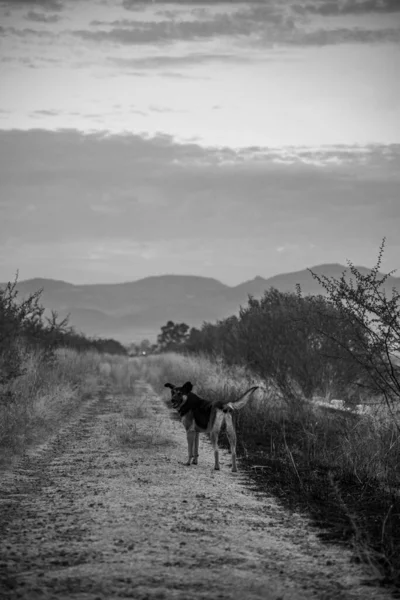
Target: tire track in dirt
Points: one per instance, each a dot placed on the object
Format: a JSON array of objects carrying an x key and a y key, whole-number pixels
[
  {"x": 40, "y": 480},
  {"x": 84, "y": 517}
]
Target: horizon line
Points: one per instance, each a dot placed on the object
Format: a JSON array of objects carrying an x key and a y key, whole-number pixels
[{"x": 345, "y": 267}]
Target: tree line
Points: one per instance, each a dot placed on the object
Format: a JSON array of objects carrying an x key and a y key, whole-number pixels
[{"x": 346, "y": 340}]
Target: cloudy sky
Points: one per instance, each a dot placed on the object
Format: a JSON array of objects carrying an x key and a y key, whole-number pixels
[{"x": 219, "y": 138}]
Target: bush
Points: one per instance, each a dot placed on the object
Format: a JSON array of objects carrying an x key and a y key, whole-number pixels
[
  {"x": 372, "y": 318},
  {"x": 278, "y": 337},
  {"x": 23, "y": 328},
  {"x": 44, "y": 395}
]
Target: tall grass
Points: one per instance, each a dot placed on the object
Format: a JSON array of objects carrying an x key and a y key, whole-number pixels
[
  {"x": 341, "y": 466},
  {"x": 34, "y": 404},
  {"x": 51, "y": 388},
  {"x": 366, "y": 444}
]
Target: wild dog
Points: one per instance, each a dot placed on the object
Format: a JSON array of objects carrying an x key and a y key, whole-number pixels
[{"x": 206, "y": 416}]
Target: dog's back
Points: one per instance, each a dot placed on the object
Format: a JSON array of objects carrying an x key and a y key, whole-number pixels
[{"x": 201, "y": 410}]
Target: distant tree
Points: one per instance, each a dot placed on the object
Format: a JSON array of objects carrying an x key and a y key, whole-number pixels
[
  {"x": 194, "y": 340},
  {"x": 133, "y": 349},
  {"x": 173, "y": 336},
  {"x": 144, "y": 347}
]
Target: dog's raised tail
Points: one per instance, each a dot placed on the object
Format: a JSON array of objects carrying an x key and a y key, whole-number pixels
[{"x": 241, "y": 401}]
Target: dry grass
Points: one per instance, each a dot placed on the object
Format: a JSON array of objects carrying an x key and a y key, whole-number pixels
[
  {"x": 342, "y": 468},
  {"x": 36, "y": 403},
  {"x": 139, "y": 422},
  {"x": 367, "y": 444}
]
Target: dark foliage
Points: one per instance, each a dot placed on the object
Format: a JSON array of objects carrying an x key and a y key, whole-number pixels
[
  {"x": 173, "y": 337},
  {"x": 279, "y": 337},
  {"x": 23, "y": 327},
  {"x": 340, "y": 467},
  {"x": 373, "y": 322}
]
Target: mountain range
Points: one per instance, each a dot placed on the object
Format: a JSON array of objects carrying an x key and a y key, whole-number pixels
[{"x": 132, "y": 311}]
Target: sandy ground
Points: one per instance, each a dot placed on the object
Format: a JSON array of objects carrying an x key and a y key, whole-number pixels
[{"x": 87, "y": 517}]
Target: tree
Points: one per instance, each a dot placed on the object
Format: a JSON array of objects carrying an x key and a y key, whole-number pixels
[
  {"x": 173, "y": 336},
  {"x": 19, "y": 322},
  {"x": 143, "y": 349},
  {"x": 194, "y": 340},
  {"x": 374, "y": 319},
  {"x": 276, "y": 341},
  {"x": 279, "y": 338}
]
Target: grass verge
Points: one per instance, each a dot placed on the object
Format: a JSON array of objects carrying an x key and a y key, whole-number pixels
[
  {"x": 34, "y": 405},
  {"x": 139, "y": 423},
  {"x": 341, "y": 469}
]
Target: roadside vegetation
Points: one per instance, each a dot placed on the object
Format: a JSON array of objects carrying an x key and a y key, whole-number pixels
[
  {"x": 325, "y": 434},
  {"x": 46, "y": 369},
  {"x": 338, "y": 466}
]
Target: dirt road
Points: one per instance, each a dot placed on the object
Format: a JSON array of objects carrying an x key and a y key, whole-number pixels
[{"x": 86, "y": 517}]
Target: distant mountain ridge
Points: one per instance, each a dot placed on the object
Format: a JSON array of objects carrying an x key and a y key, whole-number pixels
[{"x": 133, "y": 310}]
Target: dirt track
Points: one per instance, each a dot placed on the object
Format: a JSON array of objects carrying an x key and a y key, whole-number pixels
[{"x": 83, "y": 517}]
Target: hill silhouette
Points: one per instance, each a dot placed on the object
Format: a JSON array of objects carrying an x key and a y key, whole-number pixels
[{"x": 133, "y": 310}]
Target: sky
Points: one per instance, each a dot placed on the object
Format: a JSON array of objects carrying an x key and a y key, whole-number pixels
[{"x": 221, "y": 138}]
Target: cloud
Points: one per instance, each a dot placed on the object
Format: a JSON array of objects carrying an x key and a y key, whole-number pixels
[
  {"x": 99, "y": 186},
  {"x": 349, "y": 7},
  {"x": 54, "y": 5},
  {"x": 192, "y": 58},
  {"x": 138, "y": 4},
  {"x": 65, "y": 195},
  {"x": 267, "y": 24},
  {"x": 45, "y": 113},
  {"x": 164, "y": 109},
  {"x": 287, "y": 248},
  {"x": 324, "y": 37},
  {"x": 323, "y": 7},
  {"x": 167, "y": 31},
  {"x": 261, "y": 24},
  {"x": 41, "y": 18},
  {"x": 176, "y": 75},
  {"x": 25, "y": 32},
  {"x": 242, "y": 20}
]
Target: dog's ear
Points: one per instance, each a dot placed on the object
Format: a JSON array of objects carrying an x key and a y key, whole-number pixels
[
  {"x": 187, "y": 387},
  {"x": 169, "y": 385}
]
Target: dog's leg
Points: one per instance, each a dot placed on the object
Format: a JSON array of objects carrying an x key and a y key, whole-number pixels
[
  {"x": 196, "y": 448},
  {"x": 230, "y": 430},
  {"x": 214, "y": 442},
  {"x": 191, "y": 438},
  {"x": 214, "y": 433}
]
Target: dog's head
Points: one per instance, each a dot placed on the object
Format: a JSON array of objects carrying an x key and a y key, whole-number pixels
[{"x": 179, "y": 394}]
